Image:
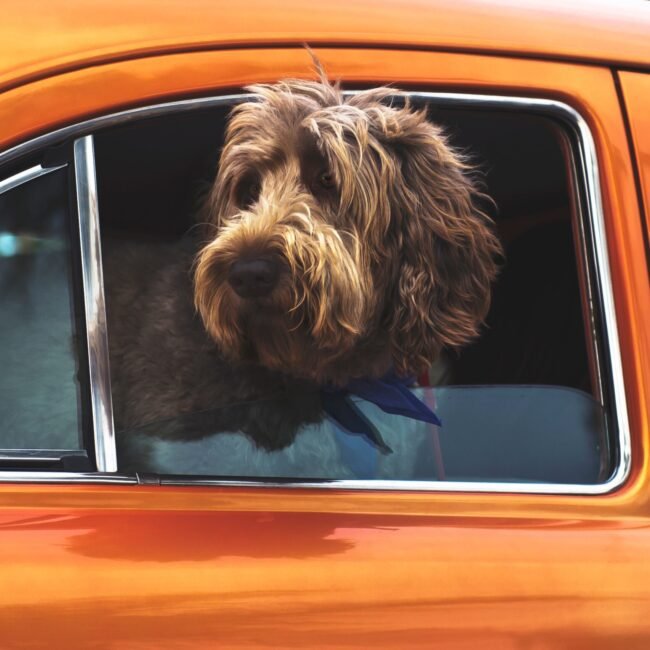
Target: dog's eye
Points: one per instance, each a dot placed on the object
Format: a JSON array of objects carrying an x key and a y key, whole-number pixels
[
  {"x": 248, "y": 191},
  {"x": 326, "y": 181}
]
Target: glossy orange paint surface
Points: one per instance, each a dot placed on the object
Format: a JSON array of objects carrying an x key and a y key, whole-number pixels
[
  {"x": 162, "y": 567},
  {"x": 636, "y": 90},
  {"x": 240, "y": 579},
  {"x": 55, "y": 35}
]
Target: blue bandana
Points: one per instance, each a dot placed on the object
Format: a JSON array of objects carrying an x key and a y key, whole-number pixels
[{"x": 390, "y": 394}]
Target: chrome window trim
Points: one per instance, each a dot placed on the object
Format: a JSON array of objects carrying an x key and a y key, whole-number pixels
[
  {"x": 588, "y": 175},
  {"x": 117, "y": 119},
  {"x": 38, "y": 455},
  {"x": 93, "y": 286},
  {"x": 26, "y": 175}
]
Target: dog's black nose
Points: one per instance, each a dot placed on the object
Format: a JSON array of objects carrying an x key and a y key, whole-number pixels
[{"x": 253, "y": 278}]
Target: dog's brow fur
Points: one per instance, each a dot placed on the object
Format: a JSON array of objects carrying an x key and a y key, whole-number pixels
[{"x": 385, "y": 268}]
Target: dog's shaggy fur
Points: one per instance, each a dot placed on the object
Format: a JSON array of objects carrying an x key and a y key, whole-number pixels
[{"x": 376, "y": 256}]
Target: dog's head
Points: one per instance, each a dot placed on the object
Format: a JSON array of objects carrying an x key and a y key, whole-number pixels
[{"x": 346, "y": 239}]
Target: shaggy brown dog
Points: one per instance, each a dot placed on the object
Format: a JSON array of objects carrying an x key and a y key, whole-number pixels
[{"x": 344, "y": 241}]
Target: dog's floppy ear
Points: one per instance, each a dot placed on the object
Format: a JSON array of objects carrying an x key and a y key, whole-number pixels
[{"x": 445, "y": 245}]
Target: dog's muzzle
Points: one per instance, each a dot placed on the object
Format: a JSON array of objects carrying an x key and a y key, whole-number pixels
[{"x": 253, "y": 278}]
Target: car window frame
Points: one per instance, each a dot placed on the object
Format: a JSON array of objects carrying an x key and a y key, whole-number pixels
[{"x": 592, "y": 242}]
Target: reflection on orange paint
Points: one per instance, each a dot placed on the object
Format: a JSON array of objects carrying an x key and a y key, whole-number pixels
[
  {"x": 145, "y": 567},
  {"x": 636, "y": 90},
  {"x": 65, "y": 34},
  {"x": 352, "y": 580}
]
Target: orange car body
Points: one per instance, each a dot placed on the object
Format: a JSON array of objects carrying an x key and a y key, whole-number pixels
[{"x": 136, "y": 566}]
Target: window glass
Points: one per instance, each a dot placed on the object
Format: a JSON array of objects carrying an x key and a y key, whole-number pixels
[
  {"x": 39, "y": 386},
  {"x": 535, "y": 434},
  {"x": 523, "y": 403}
]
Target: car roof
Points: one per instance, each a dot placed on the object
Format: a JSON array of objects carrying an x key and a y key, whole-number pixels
[{"x": 46, "y": 37}]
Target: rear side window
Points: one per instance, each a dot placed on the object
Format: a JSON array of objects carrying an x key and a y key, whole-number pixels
[{"x": 41, "y": 359}]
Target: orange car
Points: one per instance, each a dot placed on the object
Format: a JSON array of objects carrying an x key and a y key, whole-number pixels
[{"x": 522, "y": 522}]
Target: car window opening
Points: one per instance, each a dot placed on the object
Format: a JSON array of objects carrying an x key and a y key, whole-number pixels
[{"x": 520, "y": 404}]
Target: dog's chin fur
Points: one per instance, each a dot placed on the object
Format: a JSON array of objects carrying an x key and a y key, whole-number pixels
[
  {"x": 272, "y": 334},
  {"x": 273, "y": 341}
]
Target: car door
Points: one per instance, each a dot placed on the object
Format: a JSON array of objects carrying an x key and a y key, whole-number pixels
[{"x": 93, "y": 556}]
